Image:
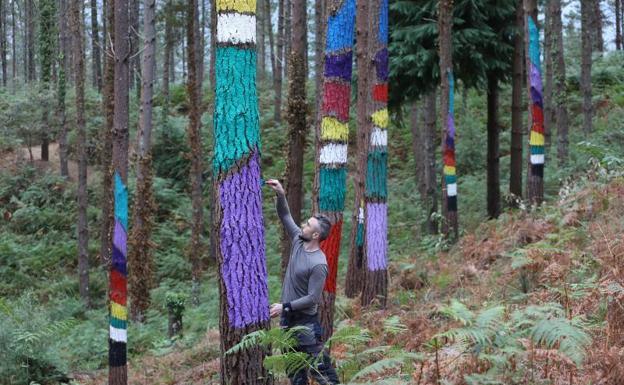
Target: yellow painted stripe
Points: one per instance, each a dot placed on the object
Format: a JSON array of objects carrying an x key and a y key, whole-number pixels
[
  {"x": 332, "y": 129},
  {"x": 536, "y": 139},
  {"x": 242, "y": 6},
  {"x": 380, "y": 118},
  {"x": 449, "y": 170},
  {"x": 119, "y": 311}
]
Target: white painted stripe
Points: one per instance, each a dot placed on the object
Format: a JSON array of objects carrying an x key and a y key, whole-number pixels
[
  {"x": 361, "y": 215},
  {"x": 334, "y": 153},
  {"x": 236, "y": 28},
  {"x": 451, "y": 190},
  {"x": 537, "y": 159},
  {"x": 379, "y": 137},
  {"x": 119, "y": 335}
]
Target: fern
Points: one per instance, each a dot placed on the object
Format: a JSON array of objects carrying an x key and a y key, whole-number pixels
[
  {"x": 394, "y": 326},
  {"x": 569, "y": 335},
  {"x": 397, "y": 359}
]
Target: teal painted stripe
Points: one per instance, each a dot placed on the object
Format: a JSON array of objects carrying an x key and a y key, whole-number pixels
[
  {"x": 534, "y": 49},
  {"x": 359, "y": 237},
  {"x": 332, "y": 186},
  {"x": 451, "y": 80},
  {"x": 236, "y": 119},
  {"x": 537, "y": 150},
  {"x": 121, "y": 201},
  {"x": 377, "y": 174},
  {"x": 450, "y": 179},
  {"x": 118, "y": 324}
]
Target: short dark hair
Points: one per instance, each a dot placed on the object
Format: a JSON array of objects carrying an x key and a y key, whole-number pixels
[{"x": 324, "y": 226}]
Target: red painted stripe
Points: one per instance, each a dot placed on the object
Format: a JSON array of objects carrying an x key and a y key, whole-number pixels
[
  {"x": 380, "y": 92},
  {"x": 331, "y": 249},
  {"x": 449, "y": 158},
  {"x": 118, "y": 287},
  {"x": 336, "y": 97},
  {"x": 538, "y": 118}
]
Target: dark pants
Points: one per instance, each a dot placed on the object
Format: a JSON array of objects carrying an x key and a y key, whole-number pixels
[{"x": 310, "y": 342}]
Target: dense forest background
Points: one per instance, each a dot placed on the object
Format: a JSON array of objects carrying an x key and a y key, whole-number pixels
[{"x": 529, "y": 291}]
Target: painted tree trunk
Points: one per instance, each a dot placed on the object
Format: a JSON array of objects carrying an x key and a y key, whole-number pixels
[
  {"x": 449, "y": 174},
  {"x": 493, "y": 157},
  {"x": 517, "y": 69},
  {"x": 196, "y": 248},
  {"x": 297, "y": 116},
  {"x": 83, "y": 230},
  {"x": 140, "y": 253},
  {"x": 560, "y": 93},
  {"x": 238, "y": 217},
  {"x": 333, "y": 135},
  {"x": 376, "y": 210},
  {"x": 586, "y": 65},
  {"x": 118, "y": 285},
  {"x": 535, "y": 169}
]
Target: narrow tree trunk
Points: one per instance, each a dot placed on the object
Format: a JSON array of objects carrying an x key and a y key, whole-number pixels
[
  {"x": 213, "y": 43},
  {"x": 3, "y": 41},
  {"x": 96, "y": 65},
  {"x": 535, "y": 169},
  {"x": 62, "y": 87},
  {"x": 167, "y": 54},
  {"x": 297, "y": 121},
  {"x": 596, "y": 24},
  {"x": 140, "y": 253},
  {"x": 135, "y": 62},
  {"x": 244, "y": 302},
  {"x": 560, "y": 92},
  {"x": 196, "y": 155},
  {"x": 118, "y": 374},
  {"x": 493, "y": 158},
  {"x": 548, "y": 77},
  {"x": 287, "y": 36},
  {"x": 269, "y": 31},
  {"x": 449, "y": 176},
  {"x": 320, "y": 19},
  {"x": 106, "y": 161},
  {"x": 517, "y": 131},
  {"x": 277, "y": 76},
  {"x": 261, "y": 70},
  {"x": 13, "y": 45},
  {"x": 83, "y": 230},
  {"x": 30, "y": 39},
  {"x": 430, "y": 173},
  {"x": 586, "y": 65},
  {"x": 618, "y": 25}
]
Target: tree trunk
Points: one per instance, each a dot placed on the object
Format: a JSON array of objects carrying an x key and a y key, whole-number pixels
[
  {"x": 269, "y": 31},
  {"x": 319, "y": 42},
  {"x": 167, "y": 54},
  {"x": 297, "y": 121},
  {"x": 418, "y": 147},
  {"x": 535, "y": 169},
  {"x": 560, "y": 92},
  {"x": 244, "y": 302},
  {"x": 618, "y": 25},
  {"x": 13, "y": 45},
  {"x": 277, "y": 76},
  {"x": 140, "y": 253},
  {"x": 449, "y": 176},
  {"x": 517, "y": 131},
  {"x": 30, "y": 39},
  {"x": 47, "y": 9},
  {"x": 548, "y": 76},
  {"x": 261, "y": 70},
  {"x": 586, "y": 65},
  {"x": 430, "y": 174},
  {"x": 213, "y": 43},
  {"x": 106, "y": 162},
  {"x": 83, "y": 231},
  {"x": 493, "y": 158},
  {"x": 3, "y": 41},
  {"x": 196, "y": 155},
  {"x": 596, "y": 24},
  {"x": 95, "y": 49},
  {"x": 376, "y": 212},
  {"x": 287, "y": 36},
  {"x": 118, "y": 275},
  {"x": 62, "y": 87},
  {"x": 135, "y": 62}
]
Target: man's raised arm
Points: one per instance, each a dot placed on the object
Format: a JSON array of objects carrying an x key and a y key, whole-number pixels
[{"x": 283, "y": 212}]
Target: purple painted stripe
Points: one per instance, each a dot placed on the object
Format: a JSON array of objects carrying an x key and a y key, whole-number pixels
[
  {"x": 376, "y": 235},
  {"x": 536, "y": 97},
  {"x": 536, "y": 79},
  {"x": 118, "y": 262},
  {"x": 381, "y": 63},
  {"x": 339, "y": 65},
  {"x": 242, "y": 246},
  {"x": 120, "y": 238},
  {"x": 451, "y": 125}
]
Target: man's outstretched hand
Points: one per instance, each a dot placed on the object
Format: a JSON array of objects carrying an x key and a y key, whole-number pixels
[
  {"x": 276, "y": 308},
  {"x": 276, "y": 186}
]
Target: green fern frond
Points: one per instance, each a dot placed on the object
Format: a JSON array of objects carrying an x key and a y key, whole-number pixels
[
  {"x": 289, "y": 362},
  {"x": 458, "y": 311},
  {"x": 397, "y": 361},
  {"x": 350, "y": 335},
  {"x": 491, "y": 318},
  {"x": 570, "y": 335},
  {"x": 393, "y": 325}
]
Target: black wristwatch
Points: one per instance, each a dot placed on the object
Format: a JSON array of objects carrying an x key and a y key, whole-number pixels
[{"x": 286, "y": 307}]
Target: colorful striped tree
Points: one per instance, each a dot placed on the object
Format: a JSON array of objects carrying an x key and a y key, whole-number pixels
[
  {"x": 535, "y": 171},
  {"x": 238, "y": 217},
  {"x": 376, "y": 210},
  {"x": 332, "y": 138}
]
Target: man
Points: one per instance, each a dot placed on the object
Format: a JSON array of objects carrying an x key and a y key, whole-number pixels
[{"x": 303, "y": 286}]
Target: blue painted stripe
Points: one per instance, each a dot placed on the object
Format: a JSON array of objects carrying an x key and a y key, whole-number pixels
[
  {"x": 383, "y": 23},
  {"x": 451, "y": 80},
  {"x": 534, "y": 49},
  {"x": 341, "y": 27},
  {"x": 121, "y": 201}
]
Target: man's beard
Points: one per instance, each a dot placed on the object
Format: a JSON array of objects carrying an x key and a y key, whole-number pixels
[{"x": 303, "y": 238}]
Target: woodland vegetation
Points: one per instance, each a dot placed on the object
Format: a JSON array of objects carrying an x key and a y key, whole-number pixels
[{"x": 468, "y": 154}]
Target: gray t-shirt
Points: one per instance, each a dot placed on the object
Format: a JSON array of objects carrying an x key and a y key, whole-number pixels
[{"x": 307, "y": 270}]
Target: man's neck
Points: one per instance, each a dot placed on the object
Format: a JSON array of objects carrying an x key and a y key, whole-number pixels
[{"x": 311, "y": 245}]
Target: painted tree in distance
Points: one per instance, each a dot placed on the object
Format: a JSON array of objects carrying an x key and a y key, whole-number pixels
[
  {"x": 332, "y": 138},
  {"x": 238, "y": 220}
]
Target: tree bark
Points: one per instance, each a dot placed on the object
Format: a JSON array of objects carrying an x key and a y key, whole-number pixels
[
  {"x": 62, "y": 87},
  {"x": 277, "y": 76},
  {"x": 560, "y": 92},
  {"x": 135, "y": 59},
  {"x": 586, "y": 65},
  {"x": 13, "y": 46},
  {"x": 269, "y": 31},
  {"x": 140, "y": 253},
  {"x": 297, "y": 121},
  {"x": 596, "y": 23},
  {"x": 287, "y": 36},
  {"x": 618, "y": 25},
  {"x": 244, "y": 302},
  {"x": 118, "y": 374},
  {"x": 30, "y": 40},
  {"x": 430, "y": 174},
  {"x": 517, "y": 131},
  {"x": 3, "y": 41},
  {"x": 261, "y": 70},
  {"x": 196, "y": 155},
  {"x": 167, "y": 54},
  {"x": 83, "y": 230},
  {"x": 548, "y": 76},
  {"x": 535, "y": 169},
  {"x": 449, "y": 178},
  {"x": 213, "y": 43},
  {"x": 493, "y": 158},
  {"x": 46, "y": 45},
  {"x": 95, "y": 49}
]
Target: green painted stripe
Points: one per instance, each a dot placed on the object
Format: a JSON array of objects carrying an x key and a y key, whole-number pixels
[
  {"x": 537, "y": 150},
  {"x": 450, "y": 179},
  {"x": 118, "y": 323},
  {"x": 332, "y": 186},
  {"x": 377, "y": 174}
]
